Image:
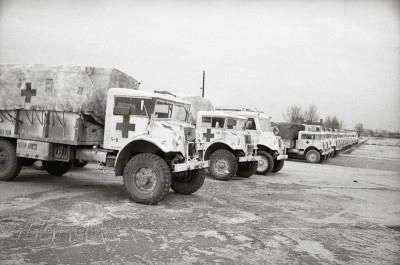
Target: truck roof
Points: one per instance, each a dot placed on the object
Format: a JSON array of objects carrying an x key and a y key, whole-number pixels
[
  {"x": 220, "y": 114},
  {"x": 138, "y": 93},
  {"x": 243, "y": 111}
]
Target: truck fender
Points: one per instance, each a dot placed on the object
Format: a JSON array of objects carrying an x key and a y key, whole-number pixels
[
  {"x": 140, "y": 144},
  {"x": 215, "y": 146}
]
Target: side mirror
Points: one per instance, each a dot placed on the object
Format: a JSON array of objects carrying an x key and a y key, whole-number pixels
[{"x": 141, "y": 104}]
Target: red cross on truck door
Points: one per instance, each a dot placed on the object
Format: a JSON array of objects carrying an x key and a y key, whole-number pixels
[
  {"x": 125, "y": 126},
  {"x": 208, "y": 135}
]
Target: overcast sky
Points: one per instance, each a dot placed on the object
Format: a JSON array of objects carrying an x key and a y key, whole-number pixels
[{"x": 342, "y": 56}]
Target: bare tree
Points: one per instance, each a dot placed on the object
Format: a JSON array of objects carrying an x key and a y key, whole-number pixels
[
  {"x": 335, "y": 124},
  {"x": 328, "y": 122},
  {"x": 311, "y": 114},
  {"x": 293, "y": 114},
  {"x": 359, "y": 128}
]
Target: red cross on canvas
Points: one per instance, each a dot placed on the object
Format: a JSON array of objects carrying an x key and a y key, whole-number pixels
[{"x": 28, "y": 92}]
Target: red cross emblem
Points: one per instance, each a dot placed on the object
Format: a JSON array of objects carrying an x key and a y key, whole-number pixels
[
  {"x": 125, "y": 127},
  {"x": 208, "y": 135},
  {"x": 28, "y": 92}
]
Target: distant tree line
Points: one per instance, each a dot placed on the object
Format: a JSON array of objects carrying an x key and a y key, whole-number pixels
[{"x": 310, "y": 115}]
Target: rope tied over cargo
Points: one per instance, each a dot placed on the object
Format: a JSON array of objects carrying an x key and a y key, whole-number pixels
[
  {"x": 27, "y": 116},
  {"x": 41, "y": 122},
  {"x": 63, "y": 122}
]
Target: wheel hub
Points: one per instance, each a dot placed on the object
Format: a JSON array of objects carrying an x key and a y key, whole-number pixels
[
  {"x": 221, "y": 166},
  {"x": 145, "y": 179},
  {"x": 262, "y": 164}
]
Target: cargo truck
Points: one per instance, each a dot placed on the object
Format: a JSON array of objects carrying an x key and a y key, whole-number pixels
[
  {"x": 229, "y": 147},
  {"x": 270, "y": 147},
  {"x": 145, "y": 137},
  {"x": 300, "y": 142}
]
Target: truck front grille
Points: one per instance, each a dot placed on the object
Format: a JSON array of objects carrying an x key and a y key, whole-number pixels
[{"x": 247, "y": 138}]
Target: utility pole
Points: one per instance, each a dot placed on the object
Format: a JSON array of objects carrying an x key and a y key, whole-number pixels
[{"x": 202, "y": 88}]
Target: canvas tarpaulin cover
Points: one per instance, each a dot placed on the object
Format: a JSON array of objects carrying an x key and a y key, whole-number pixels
[
  {"x": 198, "y": 104},
  {"x": 289, "y": 131},
  {"x": 68, "y": 88}
]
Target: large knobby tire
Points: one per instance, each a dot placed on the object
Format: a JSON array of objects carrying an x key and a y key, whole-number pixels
[
  {"x": 266, "y": 164},
  {"x": 313, "y": 156},
  {"x": 10, "y": 164},
  {"x": 223, "y": 165},
  {"x": 147, "y": 178},
  {"x": 323, "y": 159},
  {"x": 57, "y": 168},
  {"x": 78, "y": 163},
  {"x": 188, "y": 182},
  {"x": 247, "y": 169},
  {"x": 278, "y": 165}
]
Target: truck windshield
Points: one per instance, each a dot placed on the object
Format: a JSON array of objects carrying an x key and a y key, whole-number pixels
[
  {"x": 265, "y": 125},
  {"x": 236, "y": 124},
  {"x": 171, "y": 110}
]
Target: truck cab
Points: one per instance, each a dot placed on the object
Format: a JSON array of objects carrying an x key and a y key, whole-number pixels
[
  {"x": 270, "y": 147},
  {"x": 229, "y": 147}
]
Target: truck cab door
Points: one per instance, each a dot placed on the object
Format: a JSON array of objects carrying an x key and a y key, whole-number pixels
[
  {"x": 127, "y": 119},
  {"x": 211, "y": 129}
]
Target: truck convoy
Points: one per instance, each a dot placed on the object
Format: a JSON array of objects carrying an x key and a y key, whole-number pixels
[
  {"x": 313, "y": 142},
  {"x": 229, "y": 147},
  {"x": 63, "y": 114},
  {"x": 269, "y": 146},
  {"x": 68, "y": 115}
]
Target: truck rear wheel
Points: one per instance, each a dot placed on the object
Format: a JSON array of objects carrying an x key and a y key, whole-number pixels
[
  {"x": 57, "y": 168},
  {"x": 247, "y": 169},
  {"x": 188, "y": 182},
  {"x": 323, "y": 158},
  {"x": 10, "y": 164},
  {"x": 278, "y": 165},
  {"x": 223, "y": 165},
  {"x": 266, "y": 164},
  {"x": 313, "y": 156},
  {"x": 147, "y": 178}
]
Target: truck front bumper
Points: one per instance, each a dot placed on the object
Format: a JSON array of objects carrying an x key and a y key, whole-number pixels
[
  {"x": 191, "y": 165},
  {"x": 249, "y": 158},
  {"x": 281, "y": 157}
]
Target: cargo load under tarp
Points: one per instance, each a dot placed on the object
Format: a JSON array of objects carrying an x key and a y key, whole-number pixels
[
  {"x": 289, "y": 131},
  {"x": 68, "y": 88},
  {"x": 198, "y": 104}
]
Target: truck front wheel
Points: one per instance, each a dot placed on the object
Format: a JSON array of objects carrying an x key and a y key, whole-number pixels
[
  {"x": 223, "y": 165},
  {"x": 313, "y": 156},
  {"x": 57, "y": 168},
  {"x": 247, "y": 169},
  {"x": 278, "y": 165},
  {"x": 189, "y": 181},
  {"x": 147, "y": 178},
  {"x": 10, "y": 164},
  {"x": 266, "y": 164}
]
